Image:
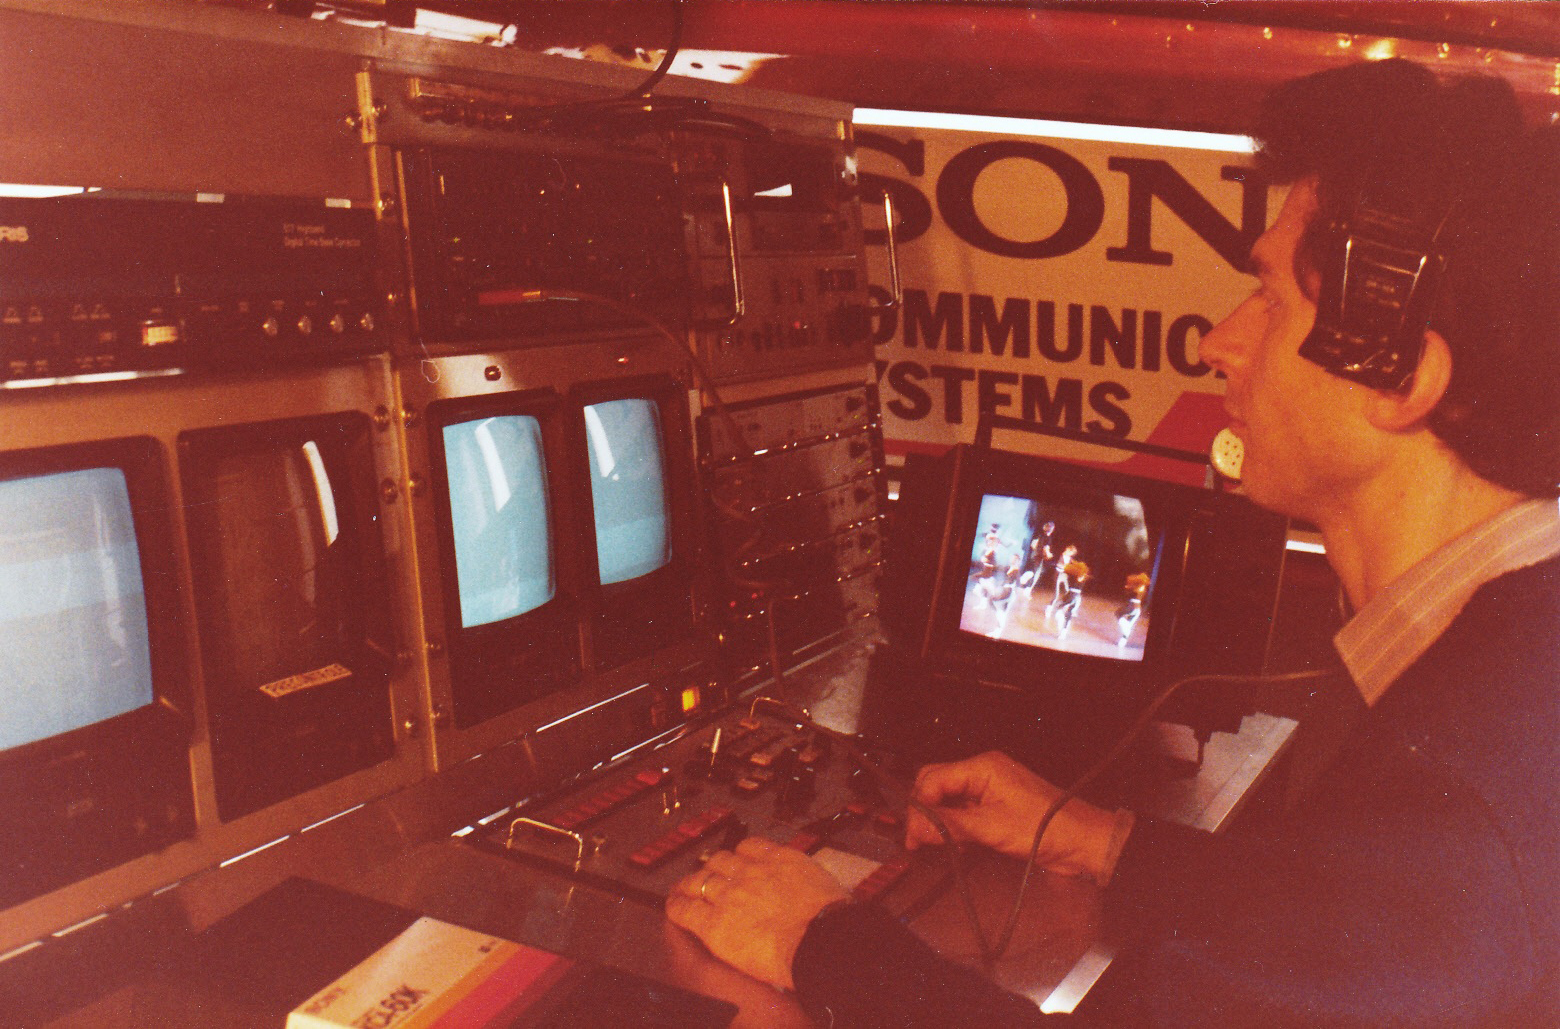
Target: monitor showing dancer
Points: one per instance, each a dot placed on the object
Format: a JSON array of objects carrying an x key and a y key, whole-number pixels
[{"x": 1077, "y": 577}]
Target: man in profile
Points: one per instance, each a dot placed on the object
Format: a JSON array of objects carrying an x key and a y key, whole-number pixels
[{"x": 1415, "y": 882}]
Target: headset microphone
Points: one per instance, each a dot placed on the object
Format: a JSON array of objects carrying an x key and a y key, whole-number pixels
[{"x": 1227, "y": 454}]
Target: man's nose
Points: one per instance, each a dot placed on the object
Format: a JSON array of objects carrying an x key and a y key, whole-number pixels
[{"x": 1225, "y": 346}]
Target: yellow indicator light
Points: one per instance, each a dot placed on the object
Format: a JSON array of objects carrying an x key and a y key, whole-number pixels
[
  {"x": 690, "y": 699},
  {"x": 156, "y": 334}
]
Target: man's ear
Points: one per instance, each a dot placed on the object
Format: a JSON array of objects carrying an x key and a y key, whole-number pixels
[{"x": 1393, "y": 411}]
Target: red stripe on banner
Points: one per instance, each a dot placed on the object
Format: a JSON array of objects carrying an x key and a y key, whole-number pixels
[{"x": 904, "y": 446}]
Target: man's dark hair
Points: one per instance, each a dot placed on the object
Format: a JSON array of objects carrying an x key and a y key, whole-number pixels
[{"x": 1461, "y": 146}]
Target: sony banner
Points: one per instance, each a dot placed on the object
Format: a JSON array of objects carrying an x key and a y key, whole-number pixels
[{"x": 1062, "y": 274}]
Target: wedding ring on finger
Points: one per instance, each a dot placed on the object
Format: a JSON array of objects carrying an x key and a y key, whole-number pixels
[{"x": 704, "y": 887}]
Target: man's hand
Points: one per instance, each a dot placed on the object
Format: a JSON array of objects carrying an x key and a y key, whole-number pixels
[
  {"x": 751, "y": 907},
  {"x": 993, "y": 800}
]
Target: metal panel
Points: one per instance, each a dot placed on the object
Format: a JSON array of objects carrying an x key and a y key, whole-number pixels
[
  {"x": 458, "y": 377},
  {"x": 95, "y": 104},
  {"x": 162, "y": 408}
]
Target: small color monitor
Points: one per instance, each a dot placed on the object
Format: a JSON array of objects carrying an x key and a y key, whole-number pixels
[{"x": 1073, "y": 575}]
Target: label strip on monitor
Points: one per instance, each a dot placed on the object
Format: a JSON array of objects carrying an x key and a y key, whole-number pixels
[{"x": 305, "y": 680}]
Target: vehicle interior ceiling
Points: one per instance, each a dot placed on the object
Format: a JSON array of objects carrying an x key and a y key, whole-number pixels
[{"x": 1158, "y": 63}]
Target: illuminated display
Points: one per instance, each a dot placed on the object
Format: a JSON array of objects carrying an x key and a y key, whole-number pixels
[
  {"x": 498, "y": 509},
  {"x": 71, "y": 604},
  {"x": 628, "y": 488},
  {"x": 1060, "y": 576}
]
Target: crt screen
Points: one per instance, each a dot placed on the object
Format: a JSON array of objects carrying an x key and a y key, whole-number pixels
[
  {"x": 628, "y": 488},
  {"x": 1076, "y": 577},
  {"x": 72, "y": 608},
  {"x": 288, "y": 565},
  {"x": 498, "y": 509}
]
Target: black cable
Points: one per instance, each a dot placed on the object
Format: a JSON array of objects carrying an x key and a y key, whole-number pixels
[
  {"x": 672, "y": 47},
  {"x": 635, "y": 99},
  {"x": 637, "y": 103}
]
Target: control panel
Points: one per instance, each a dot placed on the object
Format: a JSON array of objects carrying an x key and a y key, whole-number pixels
[
  {"x": 798, "y": 498},
  {"x": 520, "y": 233},
  {"x": 95, "y": 284},
  {"x": 520, "y": 245},
  {"x": 774, "y": 232},
  {"x": 641, "y": 827}
]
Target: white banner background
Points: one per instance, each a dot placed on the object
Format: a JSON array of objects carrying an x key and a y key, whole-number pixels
[{"x": 1057, "y": 233}]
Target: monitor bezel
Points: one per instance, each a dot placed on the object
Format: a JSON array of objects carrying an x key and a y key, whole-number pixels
[
  {"x": 475, "y": 648},
  {"x": 140, "y": 459},
  {"x": 670, "y": 589},
  {"x": 240, "y": 790},
  {"x": 1168, "y": 510},
  {"x": 140, "y": 755}
]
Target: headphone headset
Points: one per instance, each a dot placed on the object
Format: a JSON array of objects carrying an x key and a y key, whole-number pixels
[{"x": 1379, "y": 268}]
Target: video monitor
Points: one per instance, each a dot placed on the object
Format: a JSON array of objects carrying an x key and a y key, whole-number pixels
[
  {"x": 72, "y": 604},
  {"x": 510, "y": 571},
  {"x": 1046, "y": 603},
  {"x": 292, "y": 601},
  {"x": 628, "y": 488},
  {"x": 1074, "y": 575},
  {"x": 635, "y": 459},
  {"x": 499, "y": 516},
  {"x": 94, "y": 725}
]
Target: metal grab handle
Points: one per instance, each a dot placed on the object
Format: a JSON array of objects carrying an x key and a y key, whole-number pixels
[
  {"x": 896, "y": 293},
  {"x": 579, "y": 840},
  {"x": 738, "y": 305}
]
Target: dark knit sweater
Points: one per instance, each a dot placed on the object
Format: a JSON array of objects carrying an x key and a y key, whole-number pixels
[{"x": 1417, "y": 883}]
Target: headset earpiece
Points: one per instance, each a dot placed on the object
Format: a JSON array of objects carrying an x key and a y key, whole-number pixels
[{"x": 1379, "y": 269}]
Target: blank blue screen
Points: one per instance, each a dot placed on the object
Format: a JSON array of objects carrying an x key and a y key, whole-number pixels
[
  {"x": 72, "y": 610},
  {"x": 498, "y": 509},
  {"x": 628, "y": 488}
]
